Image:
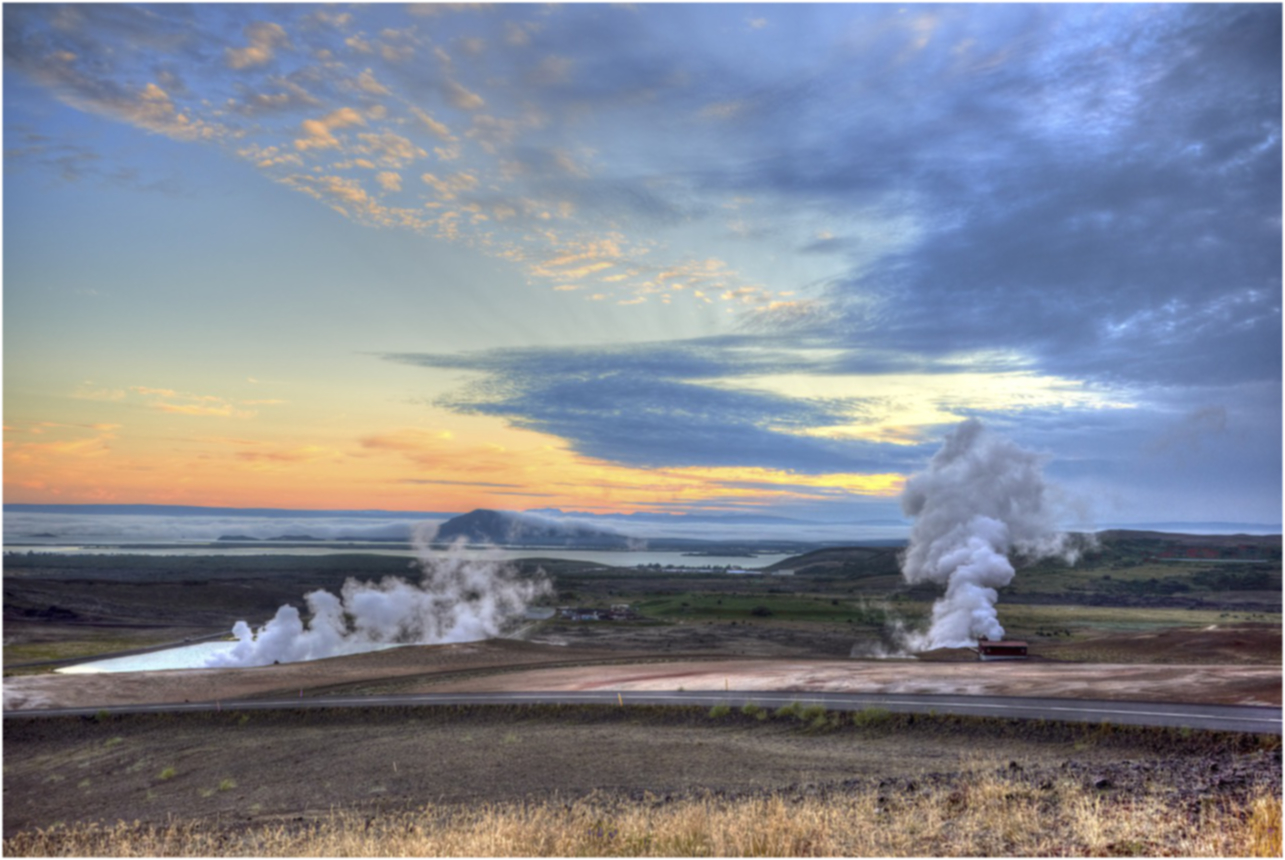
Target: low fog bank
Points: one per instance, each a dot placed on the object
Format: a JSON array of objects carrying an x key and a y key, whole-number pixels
[
  {"x": 50, "y": 529},
  {"x": 42, "y": 528},
  {"x": 54, "y": 529}
]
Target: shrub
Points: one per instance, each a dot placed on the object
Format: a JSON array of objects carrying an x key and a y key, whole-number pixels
[
  {"x": 812, "y": 713},
  {"x": 168, "y": 773},
  {"x": 719, "y": 710},
  {"x": 790, "y": 710},
  {"x": 750, "y": 709},
  {"x": 868, "y": 717}
]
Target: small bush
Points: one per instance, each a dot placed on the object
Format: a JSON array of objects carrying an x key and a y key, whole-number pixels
[
  {"x": 867, "y": 717},
  {"x": 750, "y": 709},
  {"x": 227, "y": 784},
  {"x": 812, "y": 713},
  {"x": 719, "y": 711},
  {"x": 168, "y": 773},
  {"x": 790, "y": 710}
]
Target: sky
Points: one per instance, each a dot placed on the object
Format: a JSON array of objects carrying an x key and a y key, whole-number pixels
[{"x": 647, "y": 258}]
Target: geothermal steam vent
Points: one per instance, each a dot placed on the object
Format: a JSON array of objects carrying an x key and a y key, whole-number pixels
[
  {"x": 460, "y": 598},
  {"x": 981, "y": 498}
]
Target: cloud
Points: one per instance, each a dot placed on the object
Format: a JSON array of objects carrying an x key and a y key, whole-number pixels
[
  {"x": 1207, "y": 421},
  {"x": 301, "y": 454},
  {"x": 451, "y": 186},
  {"x": 1083, "y": 194},
  {"x": 347, "y": 197},
  {"x": 339, "y": 21},
  {"x": 73, "y": 78},
  {"x": 264, "y": 37},
  {"x": 317, "y": 132},
  {"x": 462, "y": 98},
  {"x": 69, "y": 441},
  {"x": 388, "y": 149},
  {"x": 366, "y": 83},
  {"x": 438, "y": 128},
  {"x": 1105, "y": 214},
  {"x": 289, "y": 96},
  {"x": 643, "y": 408}
]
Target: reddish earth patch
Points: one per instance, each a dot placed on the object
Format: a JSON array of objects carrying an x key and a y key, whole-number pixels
[
  {"x": 514, "y": 666},
  {"x": 1213, "y": 684},
  {"x": 1244, "y": 643}
]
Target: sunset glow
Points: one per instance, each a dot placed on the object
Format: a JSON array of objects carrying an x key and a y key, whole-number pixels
[{"x": 664, "y": 258}]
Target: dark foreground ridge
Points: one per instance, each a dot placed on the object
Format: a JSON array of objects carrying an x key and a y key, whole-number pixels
[{"x": 237, "y": 768}]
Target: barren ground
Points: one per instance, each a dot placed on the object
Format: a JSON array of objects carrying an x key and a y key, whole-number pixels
[
  {"x": 293, "y": 766},
  {"x": 510, "y": 665}
]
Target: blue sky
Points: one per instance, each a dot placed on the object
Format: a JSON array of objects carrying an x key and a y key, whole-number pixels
[{"x": 673, "y": 257}]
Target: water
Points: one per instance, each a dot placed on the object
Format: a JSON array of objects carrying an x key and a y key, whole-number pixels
[
  {"x": 613, "y": 558},
  {"x": 183, "y": 657}
]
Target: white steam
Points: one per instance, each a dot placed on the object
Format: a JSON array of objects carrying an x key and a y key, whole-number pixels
[
  {"x": 461, "y": 597},
  {"x": 981, "y": 497}
]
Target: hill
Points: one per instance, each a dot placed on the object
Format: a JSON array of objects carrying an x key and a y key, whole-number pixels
[
  {"x": 1116, "y": 568},
  {"x": 508, "y": 528}
]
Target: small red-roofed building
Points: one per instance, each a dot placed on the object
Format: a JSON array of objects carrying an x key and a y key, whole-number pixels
[{"x": 1004, "y": 649}]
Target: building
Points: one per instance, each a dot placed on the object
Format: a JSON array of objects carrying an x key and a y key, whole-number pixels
[{"x": 1004, "y": 649}]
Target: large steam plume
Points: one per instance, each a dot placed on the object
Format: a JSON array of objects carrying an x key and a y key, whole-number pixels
[
  {"x": 461, "y": 597},
  {"x": 981, "y": 497}
]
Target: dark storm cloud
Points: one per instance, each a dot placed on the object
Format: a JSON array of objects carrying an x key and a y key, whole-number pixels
[
  {"x": 1107, "y": 203},
  {"x": 642, "y": 407}
]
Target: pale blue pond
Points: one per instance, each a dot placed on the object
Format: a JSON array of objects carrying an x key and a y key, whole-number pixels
[{"x": 183, "y": 657}]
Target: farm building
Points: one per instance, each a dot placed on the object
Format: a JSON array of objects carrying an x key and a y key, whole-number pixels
[{"x": 1004, "y": 649}]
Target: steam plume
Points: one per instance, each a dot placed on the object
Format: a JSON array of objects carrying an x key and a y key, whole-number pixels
[
  {"x": 460, "y": 598},
  {"x": 981, "y": 497}
]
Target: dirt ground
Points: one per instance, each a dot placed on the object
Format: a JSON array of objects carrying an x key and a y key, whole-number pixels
[
  {"x": 504, "y": 665},
  {"x": 1230, "y": 685},
  {"x": 288, "y": 767}
]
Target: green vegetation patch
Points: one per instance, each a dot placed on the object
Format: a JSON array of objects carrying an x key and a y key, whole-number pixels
[
  {"x": 1019, "y": 619},
  {"x": 729, "y": 607},
  {"x": 72, "y": 649}
]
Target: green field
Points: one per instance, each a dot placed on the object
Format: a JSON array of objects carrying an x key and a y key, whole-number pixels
[{"x": 763, "y": 607}]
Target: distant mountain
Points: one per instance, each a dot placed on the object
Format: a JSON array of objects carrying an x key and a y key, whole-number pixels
[{"x": 507, "y": 528}]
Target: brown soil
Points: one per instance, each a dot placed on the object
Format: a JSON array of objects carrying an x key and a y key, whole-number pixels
[
  {"x": 310, "y": 678},
  {"x": 1231, "y": 685},
  {"x": 292, "y": 766},
  {"x": 504, "y": 665},
  {"x": 1242, "y": 643}
]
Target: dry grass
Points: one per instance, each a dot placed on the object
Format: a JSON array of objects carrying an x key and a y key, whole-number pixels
[{"x": 987, "y": 817}]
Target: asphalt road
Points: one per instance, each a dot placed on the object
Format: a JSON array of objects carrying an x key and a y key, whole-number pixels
[{"x": 1235, "y": 718}]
